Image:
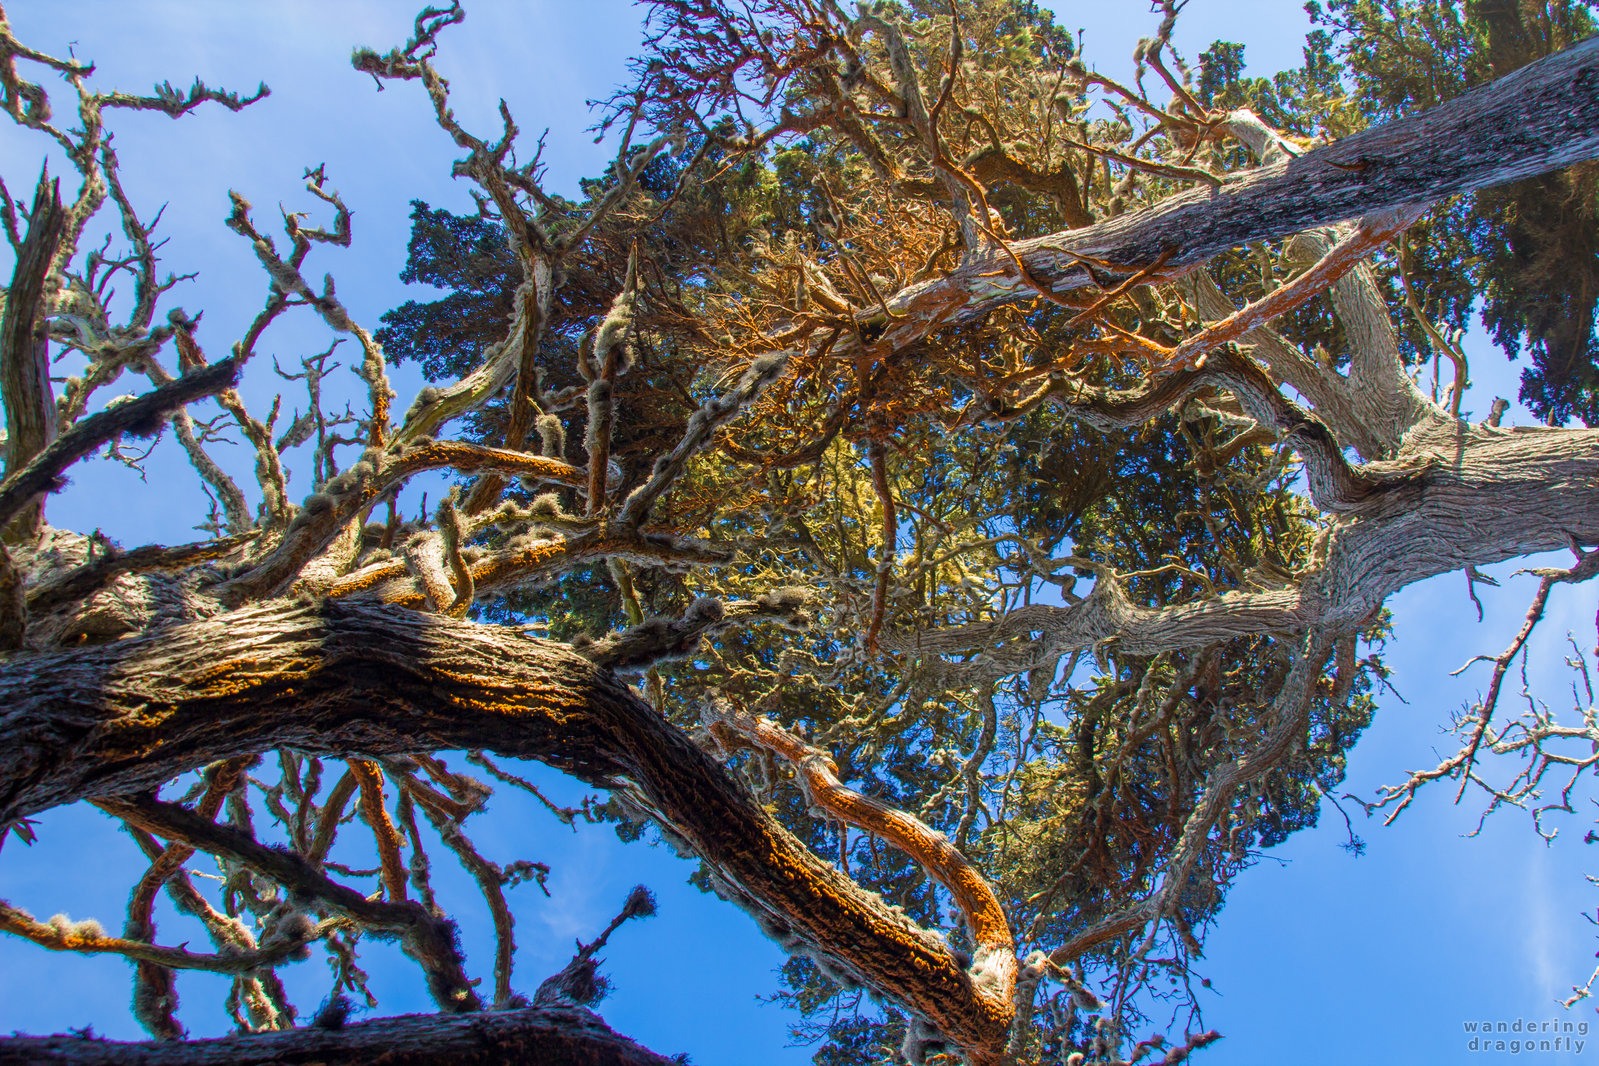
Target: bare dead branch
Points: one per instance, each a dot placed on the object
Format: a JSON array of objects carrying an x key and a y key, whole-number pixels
[
  {"x": 428, "y": 940},
  {"x": 141, "y": 416}
]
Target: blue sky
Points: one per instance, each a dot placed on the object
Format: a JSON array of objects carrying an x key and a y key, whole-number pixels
[{"x": 1318, "y": 956}]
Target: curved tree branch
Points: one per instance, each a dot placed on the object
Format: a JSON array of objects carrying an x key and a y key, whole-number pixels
[
  {"x": 818, "y": 779},
  {"x": 349, "y": 676}
]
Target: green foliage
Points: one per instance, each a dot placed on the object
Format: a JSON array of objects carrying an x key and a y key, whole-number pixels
[
  {"x": 469, "y": 259},
  {"x": 1531, "y": 249},
  {"x": 1067, "y": 780}
]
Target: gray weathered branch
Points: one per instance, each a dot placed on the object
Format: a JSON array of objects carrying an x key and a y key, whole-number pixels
[
  {"x": 141, "y": 416},
  {"x": 1541, "y": 118}
]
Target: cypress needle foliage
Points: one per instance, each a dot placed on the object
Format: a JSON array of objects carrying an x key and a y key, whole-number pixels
[{"x": 946, "y": 492}]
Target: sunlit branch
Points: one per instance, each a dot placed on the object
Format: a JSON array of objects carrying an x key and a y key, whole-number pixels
[
  {"x": 817, "y": 775},
  {"x": 61, "y": 934}
]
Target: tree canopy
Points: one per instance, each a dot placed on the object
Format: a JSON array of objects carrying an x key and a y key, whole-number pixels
[{"x": 949, "y": 493}]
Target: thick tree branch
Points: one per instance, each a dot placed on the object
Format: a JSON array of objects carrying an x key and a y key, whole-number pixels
[
  {"x": 1543, "y": 117},
  {"x": 346, "y": 677},
  {"x": 549, "y": 1036},
  {"x": 24, "y": 341},
  {"x": 82, "y": 582},
  {"x": 1470, "y": 497},
  {"x": 1336, "y": 261},
  {"x": 1327, "y": 392},
  {"x": 1387, "y": 401},
  {"x": 1334, "y": 484},
  {"x": 995, "y": 958}
]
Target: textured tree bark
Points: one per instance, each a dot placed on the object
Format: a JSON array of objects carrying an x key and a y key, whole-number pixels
[
  {"x": 1542, "y": 117},
  {"x": 24, "y": 343},
  {"x": 548, "y": 1036},
  {"x": 348, "y": 677},
  {"x": 1470, "y": 496},
  {"x": 359, "y": 678}
]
